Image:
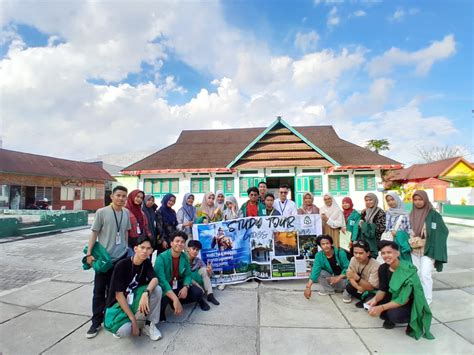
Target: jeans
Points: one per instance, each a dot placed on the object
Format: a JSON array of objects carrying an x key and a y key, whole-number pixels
[
  {"x": 206, "y": 280},
  {"x": 194, "y": 295}
]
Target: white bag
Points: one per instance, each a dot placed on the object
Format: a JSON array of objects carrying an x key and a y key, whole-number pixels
[{"x": 388, "y": 236}]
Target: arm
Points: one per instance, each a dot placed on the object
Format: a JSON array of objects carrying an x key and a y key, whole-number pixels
[
  {"x": 122, "y": 301},
  {"x": 90, "y": 246},
  {"x": 375, "y": 311},
  {"x": 144, "y": 305},
  {"x": 338, "y": 222}
]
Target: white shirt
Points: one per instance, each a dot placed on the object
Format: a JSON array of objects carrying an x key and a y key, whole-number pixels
[{"x": 287, "y": 208}]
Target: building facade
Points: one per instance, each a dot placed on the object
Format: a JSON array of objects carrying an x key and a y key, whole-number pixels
[{"x": 309, "y": 159}]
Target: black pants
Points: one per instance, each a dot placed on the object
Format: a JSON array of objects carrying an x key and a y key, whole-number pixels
[
  {"x": 101, "y": 289},
  {"x": 194, "y": 295},
  {"x": 398, "y": 315},
  {"x": 354, "y": 293}
]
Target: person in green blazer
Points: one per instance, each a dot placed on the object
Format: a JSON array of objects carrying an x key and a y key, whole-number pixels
[{"x": 174, "y": 274}]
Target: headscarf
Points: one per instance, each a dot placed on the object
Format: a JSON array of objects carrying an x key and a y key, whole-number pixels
[
  {"x": 370, "y": 213},
  {"x": 189, "y": 210},
  {"x": 400, "y": 210},
  {"x": 308, "y": 210},
  {"x": 205, "y": 209},
  {"x": 149, "y": 211},
  {"x": 220, "y": 205},
  {"x": 418, "y": 215},
  {"x": 169, "y": 215},
  {"x": 333, "y": 211},
  {"x": 347, "y": 212},
  {"x": 233, "y": 213},
  {"x": 136, "y": 210}
]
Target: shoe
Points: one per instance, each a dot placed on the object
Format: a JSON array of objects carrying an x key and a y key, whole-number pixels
[
  {"x": 408, "y": 330},
  {"x": 346, "y": 297},
  {"x": 152, "y": 331},
  {"x": 92, "y": 332},
  {"x": 116, "y": 336},
  {"x": 388, "y": 324},
  {"x": 204, "y": 306},
  {"x": 360, "y": 304},
  {"x": 212, "y": 299},
  {"x": 221, "y": 287},
  {"x": 325, "y": 293}
]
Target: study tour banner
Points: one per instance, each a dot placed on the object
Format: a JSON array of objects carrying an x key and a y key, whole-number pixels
[{"x": 266, "y": 248}]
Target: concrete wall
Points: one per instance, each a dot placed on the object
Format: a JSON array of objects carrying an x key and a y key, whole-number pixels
[{"x": 456, "y": 194}]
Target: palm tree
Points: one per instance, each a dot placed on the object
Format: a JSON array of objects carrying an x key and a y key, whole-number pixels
[{"x": 378, "y": 144}]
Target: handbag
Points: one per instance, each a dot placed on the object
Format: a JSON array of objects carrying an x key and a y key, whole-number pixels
[
  {"x": 388, "y": 234},
  {"x": 417, "y": 242}
]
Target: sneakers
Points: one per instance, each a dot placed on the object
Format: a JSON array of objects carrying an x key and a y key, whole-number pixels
[
  {"x": 388, "y": 324},
  {"x": 221, "y": 287},
  {"x": 152, "y": 331},
  {"x": 92, "y": 332},
  {"x": 360, "y": 304},
  {"x": 325, "y": 293},
  {"x": 203, "y": 304},
  {"x": 212, "y": 299},
  {"x": 346, "y": 297}
]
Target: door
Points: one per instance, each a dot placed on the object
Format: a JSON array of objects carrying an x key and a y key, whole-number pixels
[
  {"x": 77, "y": 199},
  {"x": 273, "y": 184}
]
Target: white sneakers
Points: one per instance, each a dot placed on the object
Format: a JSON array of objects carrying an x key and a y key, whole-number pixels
[
  {"x": 152, "y": 331},
  {"x": 325, "y": 293}
]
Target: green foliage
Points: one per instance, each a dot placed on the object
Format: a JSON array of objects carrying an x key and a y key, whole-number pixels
[{"x": 378, "y": 145}]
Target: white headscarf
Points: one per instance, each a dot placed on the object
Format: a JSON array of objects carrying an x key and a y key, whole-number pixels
[
  {"x": 220, "y": 205},
  {"x": 234, "y": 212},
  {"x": 400, "y": 210},
  {"x": 333, "y": 212}
]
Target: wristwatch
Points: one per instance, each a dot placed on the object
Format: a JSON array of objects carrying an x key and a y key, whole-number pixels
[{"x": 148, "y": 292}]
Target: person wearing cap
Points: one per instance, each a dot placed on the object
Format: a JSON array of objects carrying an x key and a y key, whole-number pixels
[
  {"x": 200, "y": 272},
  {"x": 329, "y": 268},
  {"x": 362, "y": 274}
]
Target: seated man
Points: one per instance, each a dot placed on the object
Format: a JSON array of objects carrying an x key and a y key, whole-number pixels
[
  {"x": 400, "y": 298},
  {"x": 174, "y": 273},
  {"x": 362, "y": 274},
  {"x": 134, "y": 288},
  {"x": 199, "y": 272},
  {"x": 329, "y": 268},
  {"x": 269, "y": 201}
]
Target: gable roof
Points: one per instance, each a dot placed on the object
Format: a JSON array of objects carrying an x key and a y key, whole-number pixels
[
  {"x": 13, "y": 162},
  {"x": 215, "y": 150},
  {"x": 427, "y": 170}
]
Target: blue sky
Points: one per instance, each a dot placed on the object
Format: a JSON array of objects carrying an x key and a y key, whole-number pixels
[{"x": 97, "y": 73}]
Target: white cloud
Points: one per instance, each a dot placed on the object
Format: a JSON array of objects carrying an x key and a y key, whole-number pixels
[
  {"x": 422, "y": 59},
  {"x": 333, "y": 18},
  {"x": 306, "y": 42},
  {"x": 359, "y": 13},
  {"x": 400, "y": 14}
]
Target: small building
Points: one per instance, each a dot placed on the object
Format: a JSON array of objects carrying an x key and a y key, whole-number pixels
[
  {"x": 29, "y": 179},
  {"x": 310, "y": 158},
  {"x": 261, "y": 254}
]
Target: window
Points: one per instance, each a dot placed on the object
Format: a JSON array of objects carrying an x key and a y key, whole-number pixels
[
  {"x": 311, "y": 170},
  {"x": 248, "y": 172},
  {"x": 44, "y": 192},
  {"x": 246, "y": 182},
  {"x": 365, "y": 182},
  {"x": 89, "y": 193},
  {"x": 225, "y": 184},
  {"x": 147, "y": 187},
  {"x": 160, "y": 187},
  {"x": 281, "y": 171},
  {"x": 339, "y": 184},
  {"x": 67, "y": 194},
  {"x": 200, "y": 185}
]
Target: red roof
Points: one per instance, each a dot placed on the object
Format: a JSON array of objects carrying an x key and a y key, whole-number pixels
[
  {"x": 428, "y": 170},
  {"x": 31, "y": 164}
]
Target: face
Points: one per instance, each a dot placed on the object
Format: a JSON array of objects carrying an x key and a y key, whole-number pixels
[
  {"x": 346, "y": 205},
  {"x": 389, "y": 255},
  {"x": 178, "y": 244},
  {"x": 229, "y": 205},
  {"x": 253, "y": 196},
  {"x": 150, "y": 202},
  {"x": 171, "y": 202},
  {"x": 391, "y": 202},
  {"x": 262, "y": 189},
  {"x": 369, "y": 202},
  {"x": 138, "y": 199},
  {"x": 418, "y": 201},
  {"x": 283, "y": 193},
  {"x": 119, "y": 198},
  {"x": 210, "y": 200},
  {"x": 308, "y": 200},
  {"x": 361, "y": 255},
  {"x": 220, "y": 198},
  {"x": 143, "y": 251},
  {"x": 328, "y": 201},
  {"x": 326, "y": 245},
  {"x": 190, "y": 200},
  {"x": 269, "y": 202},
  {"x": 193, "y": 252}
]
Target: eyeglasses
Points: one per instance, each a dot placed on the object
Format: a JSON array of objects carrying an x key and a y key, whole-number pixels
[
  {"x": 359, "y": 243},
  {"x": 253, "y": 194}
]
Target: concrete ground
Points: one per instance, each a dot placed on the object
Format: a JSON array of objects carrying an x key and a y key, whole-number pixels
[{"x": 45, "y": 305}]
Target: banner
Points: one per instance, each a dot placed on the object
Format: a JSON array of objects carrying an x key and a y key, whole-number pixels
[{"x": 266, "y": 248}]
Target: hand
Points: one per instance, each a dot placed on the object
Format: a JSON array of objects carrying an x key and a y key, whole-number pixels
[
  {"x": 144, "y": 305},
  {"x": 183, "y": 293},
  {"x": 209, "y": 268},
  {"x": 164, "y": 244},
  {"x": 205, "y": 221},
  {"x": 394, "y": 233},
  {"x": 350, "y": 245},
  {"x": 343, "y": 230},
  {"x": 307, "y": 292},
  {"x": 372, "y": 302},
  {"x": 135, "y": 329},
  {"x": 376, "y": 311},
  {"x": 333, "y": 280},
  {"x": 324, "y": 217},
  {"x": 178, "y": 308},
  {"x": 350, "y": 274},
  {"x": 189, "y": 224},
  {"x": 90, "y": 259}
]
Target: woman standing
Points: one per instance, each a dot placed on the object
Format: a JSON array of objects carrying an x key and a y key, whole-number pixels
[
  {"x": 138, "y": 219},
  {"x": 333, "y": 219},
  {"x": 372, "y": 223},
  {"x": 149, "y": 209},
  {"x": 352, "y": 218},
  {"x": 186, "y": 215},
  {"x": 398, "y": 224},
  {"x": 208, "y": 212},
  {"x": 232, "y": 208},
  {"x": 166, "y": 221},
  {"x": 308, "y": 205},
  {"x": 428, "y": 239},
  {"x": 220, "y": 200}
]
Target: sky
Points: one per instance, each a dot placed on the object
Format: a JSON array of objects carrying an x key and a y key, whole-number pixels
[{"x": 80, "y": 79}]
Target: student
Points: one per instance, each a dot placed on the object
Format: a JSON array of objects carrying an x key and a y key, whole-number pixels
[
  {"x": 110, "y": 229},
  {"x": 207, "y": 212},
  {"x": 372, "y": 223},
  {"x": 138, "y": 220},
  {"x": 166, "y": 221},
  {"x": 428, "y": 240},
  {"x": 232, "y": 208},
  {"x": 351, "y": 218},
  {"x": 149, "y": 209},
  {"x": 269, "y": 202},
  {"x": 400, "y": 297},
  {"x": 186, "y": 215},
  {"x": 174, "y": 275},
  {"x": 252, "y": 208},
  {"x": 308, "y": 206},
  {"x": 220, "y": 200},
  {"x": 283, "y": 205},
  {"x": 134, "y": 289},
  {"x": 262, "y": 191},
  {"x": 200, "y": 273},
  {"x": 397, "y": 225},
  {"x": 329, "y": 268},
  {"x": 362, "y": 274},
  {"x": 332, "y": 218}
]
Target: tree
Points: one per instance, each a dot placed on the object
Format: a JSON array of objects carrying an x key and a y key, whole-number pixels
[
  {"x": 378, "y": 144},
  {"x": 429, "y": 155}
]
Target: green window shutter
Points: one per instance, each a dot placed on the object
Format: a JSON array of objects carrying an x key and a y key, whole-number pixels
[
  {"x": 200, "y": 185},
  {"x": 244, "y": 184},
  {"x": 339, "y": 185},
  {"x": 302, "y": 186},
  {"x": 333, "y": 183},
  {"x": 371, "y": 185},
  {"x": 225, "y": 184},
  {"x": 147, "y": 186},
  {"x": 359, "y": 183},
  {"x": 174, "y": 186},
  {"x": 194, "y": 185},
  {"x": 344, "y": 183},
  {"x": 365, "y": 182},
  {"x": 316, "y": 185}
]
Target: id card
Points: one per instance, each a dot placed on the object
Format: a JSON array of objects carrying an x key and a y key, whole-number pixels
[
  {"x": 117, "y": 239},
  {"x": 351, "y": 223},
  {"x": 433, "y": 225},
  {"x": 139, "y": 231},
  {"x": 130, "y": 298},
  {"x": 175, "y": 284}
]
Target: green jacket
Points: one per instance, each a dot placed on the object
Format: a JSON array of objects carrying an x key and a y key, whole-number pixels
[
  {"x": 164, "y": 270},
  {"x": 401, "y": 239},
  {"x": 102, "y": 262},
  {"x": 436, "y": 239},
  {"x": 321, "y": 263},
  {"x": 352, "y": 224},
  {"x": 368, "y": 234},
  {"x": 405, "y": 282},
  {"x": 261, "y": 209}
]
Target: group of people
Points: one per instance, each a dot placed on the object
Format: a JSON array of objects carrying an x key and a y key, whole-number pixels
[{"x": 408, "y": 245}]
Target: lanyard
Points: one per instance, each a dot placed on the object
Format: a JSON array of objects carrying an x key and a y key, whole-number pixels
[
  {"x": 282, "y": 208},
  {"x": 116, "y": 220}
]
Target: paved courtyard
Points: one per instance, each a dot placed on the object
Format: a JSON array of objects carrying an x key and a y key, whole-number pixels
[{"x": 45, "y": 302}]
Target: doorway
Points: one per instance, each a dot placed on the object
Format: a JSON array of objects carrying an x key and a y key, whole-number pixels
[
  {"x": 274, "y": 182},
  {"x": 30, "y": 197}
]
